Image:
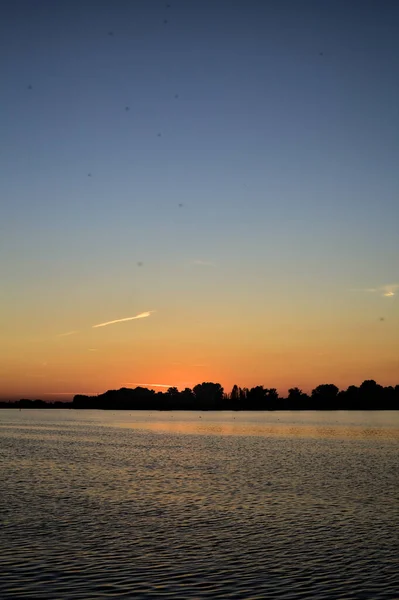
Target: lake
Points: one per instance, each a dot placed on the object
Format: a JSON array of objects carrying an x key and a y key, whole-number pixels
[{"x": 238, "y": 505}]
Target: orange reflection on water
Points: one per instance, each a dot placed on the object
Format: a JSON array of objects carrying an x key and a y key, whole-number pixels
[{"x": 173, "y": 425}]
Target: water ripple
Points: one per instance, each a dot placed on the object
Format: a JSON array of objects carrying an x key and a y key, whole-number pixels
[{"x": 90, "y": 510}]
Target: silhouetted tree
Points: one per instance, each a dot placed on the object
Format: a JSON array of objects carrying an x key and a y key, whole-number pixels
[
  {"x": 368, "y": 396},
  {"x": 83, "y": 401},
  {"x": 272, "y": 398},
  {"x": 256, "y": 398},
  {"x": 297, "y": 399},
  {"x": 295, "y": 394},
  {"x": 370, "y": 392},
  {"x": 350, "y": 399},
  {"x": 208, "y": 395},
  {"x": 173, "y": 394},
  {"x": 324, "y": 396},
  {"x": 26, "y": 403},
  {"x": 243, "y": 396},
  {"x": 369, "y": 386},
  {"x": 188, "y": 398},
  {"x": 234, "y": 397}
]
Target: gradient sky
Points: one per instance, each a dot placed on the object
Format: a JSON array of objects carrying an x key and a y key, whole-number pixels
[{"x": 274, "y": 123}]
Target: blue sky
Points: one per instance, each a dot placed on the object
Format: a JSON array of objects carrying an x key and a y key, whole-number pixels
[{"x": 279, "y": 129}]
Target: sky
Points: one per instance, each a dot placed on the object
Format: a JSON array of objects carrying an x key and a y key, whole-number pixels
[{"x": 198, "y": 190}]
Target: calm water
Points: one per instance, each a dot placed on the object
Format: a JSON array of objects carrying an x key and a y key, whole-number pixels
[{"x": 198, "y": 505}]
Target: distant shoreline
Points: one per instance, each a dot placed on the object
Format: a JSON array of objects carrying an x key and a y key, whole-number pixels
[
  {"x": 68, "y": 406},
  {"x": 209, "y": 396}
]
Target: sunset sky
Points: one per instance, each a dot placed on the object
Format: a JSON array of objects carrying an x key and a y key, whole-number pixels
[{"x": 206, "y": 191}]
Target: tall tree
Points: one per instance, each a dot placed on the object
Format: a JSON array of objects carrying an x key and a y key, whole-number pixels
[
  {"x": 209, "y": 395},
  {"x": 325, "y": 395}
]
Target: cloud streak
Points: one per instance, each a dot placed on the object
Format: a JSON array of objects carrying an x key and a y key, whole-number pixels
[
  {"x": 387, "y": 291},
  {"x": 142, "y": 315},
  {"x": 68, "y": 393},
  {"x": 162, "y": 385},
  {"x": 68, "y": 333}
]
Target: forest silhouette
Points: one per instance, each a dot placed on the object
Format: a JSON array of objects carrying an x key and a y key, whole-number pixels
[{"x": 211, "y": 396}]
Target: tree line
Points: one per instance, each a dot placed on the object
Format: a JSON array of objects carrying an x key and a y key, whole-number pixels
[{"x": 211, "y": 396}]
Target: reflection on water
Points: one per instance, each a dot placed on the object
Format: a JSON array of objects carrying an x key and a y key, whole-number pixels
[
  {"x": 198, "y": 505},
  {"x": 329, "y": 424},
  {"x": 263, "y": 427}
]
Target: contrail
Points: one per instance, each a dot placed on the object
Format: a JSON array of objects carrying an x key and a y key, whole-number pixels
[
  {"x": 67, "y": 333},
  {"x": 140, "y": 316}
]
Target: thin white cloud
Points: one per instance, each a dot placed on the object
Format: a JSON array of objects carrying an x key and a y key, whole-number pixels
[
  {"x": 68, "y": 393},
  {"x": 390, "y": 290},
  {"x": 387, "y": 291},
  {"x": 142, "y": 315},
  {"x": 93, "y": 349},
  {"x": 68, "y": 333},
  {"x": 204, "y": 263},
  {"x": 162, "y": 385}
]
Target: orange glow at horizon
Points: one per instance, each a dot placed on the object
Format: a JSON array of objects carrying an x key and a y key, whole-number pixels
[
  {"x": 339, "y": 340},
  {"x": 66, "y": 371}
]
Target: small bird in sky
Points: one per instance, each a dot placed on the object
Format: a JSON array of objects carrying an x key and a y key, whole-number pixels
[
  {"x": 180, "y": 205},
  {"x": 127, "y": 108},
  {"x": 30, "y": 87},
  {"x": 88, "y": 174},
  {"x": 382, "y": 318},
  {"x": 139, "y": 264},
  {"x": 159, "y": 135},
  {"x": 176, "y": 96},
  {"x": 165, "y": 21},
  {"x": 321, "y": 53},
  {"x": 110, "y": 33}
]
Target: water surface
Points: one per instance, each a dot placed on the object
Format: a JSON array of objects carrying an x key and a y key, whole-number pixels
[{"x": 96, "y": 504}]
